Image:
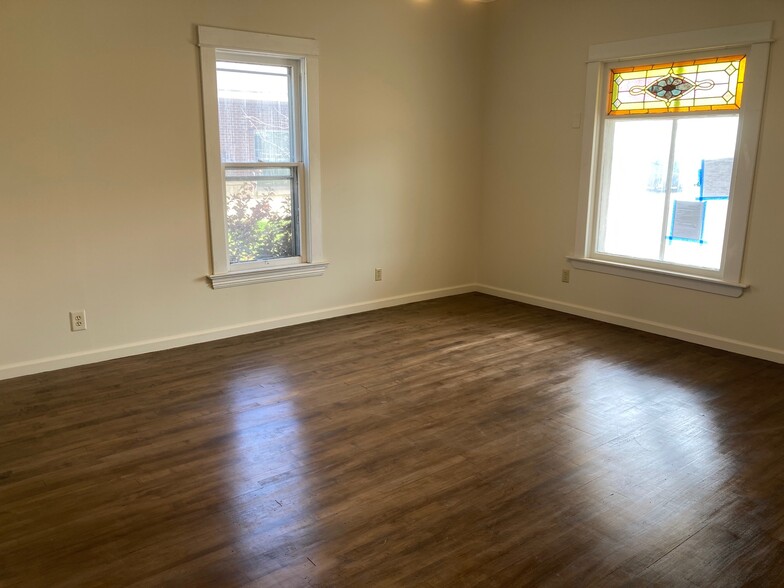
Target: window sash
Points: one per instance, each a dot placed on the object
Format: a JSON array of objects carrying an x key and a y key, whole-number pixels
[
  {"x": 295, "y": 84},
  {"x": 296, "y": 177},
  {"x": 603, "y": 177}
]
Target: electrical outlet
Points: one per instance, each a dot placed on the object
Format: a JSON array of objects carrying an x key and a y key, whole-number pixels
[
  {"x": 565, "y": 276},
  {"x": 378, "y": 274},
  {"x": 78, "y": 320}
]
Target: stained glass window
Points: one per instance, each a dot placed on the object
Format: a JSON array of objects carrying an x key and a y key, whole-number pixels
[{"x": 684, "y": 86}]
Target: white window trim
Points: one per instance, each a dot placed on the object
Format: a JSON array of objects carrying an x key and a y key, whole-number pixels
[
  {"x": 727, "y": 280},
  {"x": 312, "y": 261}
]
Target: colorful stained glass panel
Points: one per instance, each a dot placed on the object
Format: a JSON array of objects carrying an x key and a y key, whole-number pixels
[{"x": 682, "y": 86}]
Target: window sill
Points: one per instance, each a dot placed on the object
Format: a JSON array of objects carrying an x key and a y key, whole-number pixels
[
  {"x": 268, "y": 274},
  {"x": 703, "y": 284}
]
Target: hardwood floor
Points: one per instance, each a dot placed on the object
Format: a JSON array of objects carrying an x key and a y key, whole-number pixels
[{"x": 456, "y": 442}]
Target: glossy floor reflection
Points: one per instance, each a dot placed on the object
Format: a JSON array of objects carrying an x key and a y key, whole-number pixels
[{"x": 456, "y": 442}]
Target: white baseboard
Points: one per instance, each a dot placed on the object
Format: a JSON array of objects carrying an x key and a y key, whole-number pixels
[
  {"x": 70, "y": 360},
  {"x": 733, "y": 345},
  {"x": 73, "y": 359}
]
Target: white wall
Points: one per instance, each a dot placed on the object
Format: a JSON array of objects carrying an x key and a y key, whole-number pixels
[
  {"x": 102, "y": 183},
  {"x": 537, "y": 81}
]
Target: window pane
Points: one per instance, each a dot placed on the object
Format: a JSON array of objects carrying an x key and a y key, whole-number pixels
[
  {"x": 712, "y": 84},
  {"x": 704, "y": 154},
  {"x": 634, "y": 187},
  {"x": 259, "y": 214},
  {"x": 253, "y": 111},
  {"x": 637, "y": 216}
]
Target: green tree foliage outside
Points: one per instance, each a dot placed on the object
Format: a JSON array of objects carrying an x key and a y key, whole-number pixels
[{"x": 258, "y": 226}]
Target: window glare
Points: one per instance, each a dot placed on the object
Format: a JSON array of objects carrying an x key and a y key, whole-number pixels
[
  {"x": 252, "y": 67},
  {"x": 253, "y": 85},
  {"x": 679, "y": 218},
  {"x": 635, "y": 196}
]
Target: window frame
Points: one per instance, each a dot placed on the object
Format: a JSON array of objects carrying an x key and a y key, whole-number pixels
[
  {"x": 753, "y": 40},
  {"x": 215, "y": 45}
]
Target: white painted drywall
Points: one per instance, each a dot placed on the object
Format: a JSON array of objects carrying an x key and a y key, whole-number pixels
[
  {"x": 532, "y": 156},
  {"x": 102, "y": 182},
  {"x": 440, "y": 119}
]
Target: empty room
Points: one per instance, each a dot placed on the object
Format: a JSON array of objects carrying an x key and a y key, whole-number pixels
[{"x": 391, "y": 293}]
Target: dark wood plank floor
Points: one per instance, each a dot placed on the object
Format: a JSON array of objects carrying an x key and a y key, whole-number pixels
[{"x": 457, "y": 442}]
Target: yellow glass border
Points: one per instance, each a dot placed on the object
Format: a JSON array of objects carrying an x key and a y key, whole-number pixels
[{"x": 658, "y": 70}]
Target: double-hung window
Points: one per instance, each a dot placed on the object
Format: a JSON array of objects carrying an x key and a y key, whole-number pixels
[
  {"x": 668, "y": 156},
  {"x": 261, "y": 135}
]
